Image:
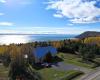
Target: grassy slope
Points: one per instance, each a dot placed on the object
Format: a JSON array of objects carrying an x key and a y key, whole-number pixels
[
  {"x": 52, "y": 74},
  {"x": 3, "y": 72},
  {"x": 73, "y": 59}
]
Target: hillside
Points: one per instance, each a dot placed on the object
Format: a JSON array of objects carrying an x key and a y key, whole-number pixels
[
  {"x": 88, "y": 34},
  {"x": 92, "y": 40}
]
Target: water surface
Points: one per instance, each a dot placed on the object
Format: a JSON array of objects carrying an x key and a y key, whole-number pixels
[{"x": 9, "y": 39}]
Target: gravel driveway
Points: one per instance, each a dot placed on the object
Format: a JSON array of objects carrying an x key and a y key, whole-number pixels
[{"x": 65, "y": 67}]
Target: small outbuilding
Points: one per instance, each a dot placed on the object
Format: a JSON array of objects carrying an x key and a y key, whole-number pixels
[{"x": 44, "y": 54}]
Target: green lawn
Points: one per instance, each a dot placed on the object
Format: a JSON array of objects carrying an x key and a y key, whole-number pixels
[
  {"x": 74, "y": 59},
  {"x": 3, "y": 72},
  {"x": 52, "y": 74}
]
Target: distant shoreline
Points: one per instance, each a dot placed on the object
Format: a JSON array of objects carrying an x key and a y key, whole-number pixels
[
  {"x": 37, "y": 34},
  {"x": 27, "y": 38}
]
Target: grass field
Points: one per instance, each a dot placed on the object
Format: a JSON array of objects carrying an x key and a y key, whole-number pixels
[
  {"x": 3, "y": 72},
  {"x": 52, "y": 74},
  {"x": 46, "y": 73},
  {"x": 74, "y": 59}
]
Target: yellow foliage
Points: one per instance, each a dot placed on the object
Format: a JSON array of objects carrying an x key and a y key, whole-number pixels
[
  {"x": 3, "y": 49},
  {"x": 92, "y": 40}
]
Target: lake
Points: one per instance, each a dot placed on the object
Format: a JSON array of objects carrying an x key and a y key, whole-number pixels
[{"x": 9, "y": 39}]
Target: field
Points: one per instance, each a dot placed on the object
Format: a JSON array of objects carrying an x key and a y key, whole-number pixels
[
  {"x": 52, "y": 74},
  {"x": 46, "y": 73},
  {"x": 75, "y": 60},
  {"x": 3, "y": 73}
]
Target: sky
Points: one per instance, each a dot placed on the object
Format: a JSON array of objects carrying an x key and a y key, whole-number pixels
[{"x": 49, "y": 16}]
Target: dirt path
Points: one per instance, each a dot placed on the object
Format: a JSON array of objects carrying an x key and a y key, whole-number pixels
[
  {"x": 3, "y": 73},
  {"x": 64, "y": 67},
  {"x": 92, "y": 75}
]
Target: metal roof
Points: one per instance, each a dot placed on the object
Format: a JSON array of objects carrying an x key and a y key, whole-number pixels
[{"x": 40, "y": 52}]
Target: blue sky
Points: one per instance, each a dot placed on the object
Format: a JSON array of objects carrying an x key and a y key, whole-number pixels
[{"x": 49, "y": 16}]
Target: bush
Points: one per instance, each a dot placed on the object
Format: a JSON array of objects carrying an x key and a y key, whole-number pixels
[{"x": 6, "y": 59}]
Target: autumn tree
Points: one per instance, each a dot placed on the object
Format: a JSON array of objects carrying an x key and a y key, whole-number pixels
[
  {"x": 87, "y": 52},
  {"x": 20, "y": 71}
]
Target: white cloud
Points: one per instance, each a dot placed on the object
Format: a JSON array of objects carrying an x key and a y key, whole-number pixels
[
  {"x": 86, "y": 20},
  {"x": 16, "y": 3},
  {"x": 1, "y": 14},
  {"x": 70, "y": 24},
  {"x": 76, "y": 11},
  {"x": 46, "y": 30},
  {"x": 58, "y": 15},
  {"x": 6, "y": 24},
  {"x": 2, "y": 1}
]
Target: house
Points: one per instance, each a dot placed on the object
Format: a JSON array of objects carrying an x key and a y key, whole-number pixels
[{"x": 44, "y": 54}]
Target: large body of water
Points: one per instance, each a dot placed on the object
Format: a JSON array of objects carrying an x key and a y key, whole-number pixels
[{"x": 9, "y": 39}]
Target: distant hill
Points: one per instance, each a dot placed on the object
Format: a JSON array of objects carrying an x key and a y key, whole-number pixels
[{"x": 88, "y": 34}]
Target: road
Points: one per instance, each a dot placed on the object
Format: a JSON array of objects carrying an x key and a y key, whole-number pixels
[
  {"x": 65, "y": 67},
  {"x": 91, "y": 75},
  {"x": 97, "y": 78}
]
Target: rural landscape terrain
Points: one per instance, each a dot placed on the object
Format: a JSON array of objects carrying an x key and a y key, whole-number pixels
[
  {"x": 49, "y": 39},
  {"x": 75, "y": 59}
]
